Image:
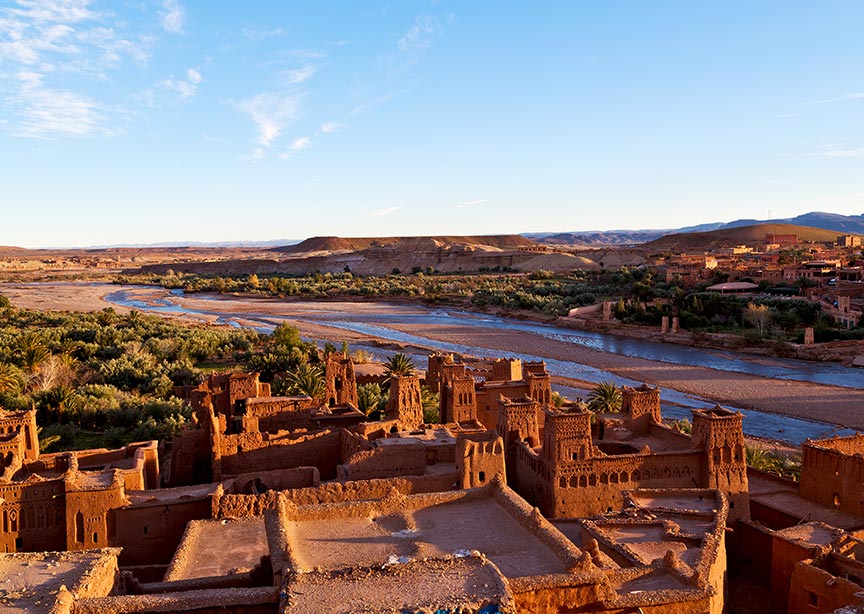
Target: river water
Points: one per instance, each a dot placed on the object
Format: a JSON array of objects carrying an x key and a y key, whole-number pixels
[{"x": 675, "y": 404}]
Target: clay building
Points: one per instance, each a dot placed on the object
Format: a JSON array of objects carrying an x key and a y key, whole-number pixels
[
  {"x": 469, "y": 397},
  {"x": 571, "y": 468},
  {"x": 427, "y": 552}
]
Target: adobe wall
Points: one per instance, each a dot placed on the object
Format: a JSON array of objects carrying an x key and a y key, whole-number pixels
[
  {"x": 24, "y": 422},
  {"x": 596, "y": 485},
  {"x": 242, "y": 506},
  {"x": 752, "y": 552},
  {"x": 479, "y": 459},
  {"x": 190, "y": 458},
  {"x": 273, "y": 414},
  {"x": 813, "y": 589},
  {"x": 669, "y": 436},
  {"x": 278, "y": 479},
  {"x": 88, "y": 522},
  {"x": 784, "y": 555},
  {"x": 150, "y": 533},
  {"x": 32, "y": 516},
  {"x": 11, "y": 454},
  {"x": 385, "y": 462},
  {"x": 253, "y": 452},
  {"x": 340, "y": 381},
  {"x": 832, "y": 473}
]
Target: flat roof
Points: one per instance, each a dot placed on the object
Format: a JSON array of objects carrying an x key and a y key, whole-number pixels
[
  {"x": 429, "y": 526},
  {"x": 219, "y": 548},
  {"x": 469, "y": 583},
  {"x": 30, "y": 582}
]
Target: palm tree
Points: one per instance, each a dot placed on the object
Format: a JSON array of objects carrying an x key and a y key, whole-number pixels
[
  {"x": 10, "y": 377},
  {"x": 307, "y": 379},
  {"x": 398, "y": 364},
  {"x": 33, "y": 351},
  {"x": 429, "y": 400},
  {"x": 605, "y": 398},
  {"x": 371, "y": 400}
]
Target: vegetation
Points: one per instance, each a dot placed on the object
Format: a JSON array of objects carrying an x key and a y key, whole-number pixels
[
  {"x": 605, "y": 398},
  {"x": 399, "y": 364},
  {"x": 103, "y": 379},
  {"x": 773, "y": 462},
  {"x": 640, "y": 297}
]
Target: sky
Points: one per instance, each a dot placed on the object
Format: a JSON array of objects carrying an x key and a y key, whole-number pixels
[{"x": 145, "y": 121}]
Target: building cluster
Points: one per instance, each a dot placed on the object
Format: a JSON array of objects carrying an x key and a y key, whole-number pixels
[
  {"x": 292, "y": 504},
  {"x": 834, "y": 272}
]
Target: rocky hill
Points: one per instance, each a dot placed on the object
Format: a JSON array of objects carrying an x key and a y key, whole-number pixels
[{"x": 751, "y": 235}]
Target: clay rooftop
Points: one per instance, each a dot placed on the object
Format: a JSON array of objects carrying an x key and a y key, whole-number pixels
[
  {"x": 405, "y": 528},
  {"x": 211, "y": 548},
  {"x": 784, "y": 499},
  {"x": 812, "y": 533},
  {"x": 454, "y": 584},
  {"x": 32, "y": 583}
]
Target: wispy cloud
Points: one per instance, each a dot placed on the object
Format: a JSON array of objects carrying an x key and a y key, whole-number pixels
[
  {"x": 383, "y": 212},
  {"x": 843, "y": 98},
  {"x": 330, "y": 127},
  {"x": 471, "y": 203},
  {"x": 839, "y": 151},
  {"x": 420, "y": 35},
  {"x": 259, "y": 34},
  {"x": 298, "y": 75},
  {"x": 302, "y": 143},
  {"x": 377, "y": 102},
  {"x": 42, "y": 42},
  {"x": 185, "y": 88},
  {"x": 46, "y": 113},
  {"x": 173, "y": 16},
  {"x": 272, "y": 114}
]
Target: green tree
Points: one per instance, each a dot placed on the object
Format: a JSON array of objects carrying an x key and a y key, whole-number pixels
[
  {"x": 399, "y": 364},
  {"x": 430, "y": 401},
  {"x": 371, "y": 400},
  {"x": 33, "y": 351},
  {"x": 11, "y": 378},
  {"x": 307, "y": 379},
  {"x": 605, "y": 398}
]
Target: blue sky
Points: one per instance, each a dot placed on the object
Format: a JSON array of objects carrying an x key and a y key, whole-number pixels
[{"x": 146, "y": 121}]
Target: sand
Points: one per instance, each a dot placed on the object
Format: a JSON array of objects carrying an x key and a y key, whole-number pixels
[{"x": 832, "y": 404}]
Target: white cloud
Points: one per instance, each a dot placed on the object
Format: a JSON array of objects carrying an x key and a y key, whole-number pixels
[
  {"x": 173, "y": 17},
  {"x": 185, "y": 88},
  {"x": 844, "y": 97},
  {"x": 301, "y": 143},
  {"x": 420, "y": 35},
  {"x": 471, "y": 203},
  {"x": 42, "y": 43},
  {"x": 298, "y": 75},
  {"x": 271, "y": 114},
  {"x": 330, "y": 127},
  {"x": 835, "y": 152},
  {"x": 257, "y": 34},
  {"x": 383, "y": 212}
]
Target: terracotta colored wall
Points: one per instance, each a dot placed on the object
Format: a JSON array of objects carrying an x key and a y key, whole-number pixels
[
  {"x": 835, "y": 477},
  {"x": 247, "y": 453},
  {"x": 385, "y": 462},
  {"x": 151, "y": 534},
  {"x": 810, "y": 584},
  {"x": 33, "y": 513}
]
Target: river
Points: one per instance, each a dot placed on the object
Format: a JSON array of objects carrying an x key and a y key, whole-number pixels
[{"x": 377, "y": 323}]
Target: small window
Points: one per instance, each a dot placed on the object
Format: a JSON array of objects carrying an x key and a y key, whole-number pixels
[
  {"x": 95, "y": 538},
  {"x": 482, "y": 476},
  {"x": 19, "y": 544},
  {"x": 145, "y": 529},
  {"x": 812, "y": 599}
]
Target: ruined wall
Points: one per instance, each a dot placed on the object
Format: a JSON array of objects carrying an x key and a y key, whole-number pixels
[
  {"x": 253, "y": 452},
  {"x": 340, "y": 381},
  {"x": 479, "y": 459},
  {"x": 385, "y": 462},
  {"x": 832, "y": 473},
  {"x": 815, "y": 590},
  {"x": 242, "y": 506},
  {"x": 150, "y": 533},
  {"x": 404, "y": 404},
  {"x": 23, "y": 422},
  {"x": 274, "y": 414},
  {"x": 278, "y": 479}
]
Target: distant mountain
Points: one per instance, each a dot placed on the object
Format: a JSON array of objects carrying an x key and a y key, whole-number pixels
[
  {"x": 841, "y": 224},
  {"x": 750, "y": 235},
  {"x": 178, "y": 244}
]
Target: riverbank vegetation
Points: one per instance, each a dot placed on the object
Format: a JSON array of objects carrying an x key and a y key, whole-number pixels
[{"x": 638, "y": 297}]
